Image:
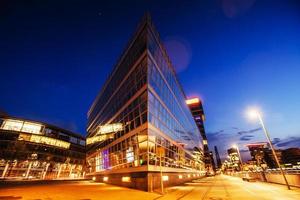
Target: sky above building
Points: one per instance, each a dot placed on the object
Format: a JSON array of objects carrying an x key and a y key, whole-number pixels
[{"x": 56, "y": 55}]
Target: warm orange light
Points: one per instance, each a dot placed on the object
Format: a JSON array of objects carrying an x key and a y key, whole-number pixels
[
  {"x": 192, "y": 101},
  {"x": 126, "y": 179},
  {"x": 165, "y": 178}
]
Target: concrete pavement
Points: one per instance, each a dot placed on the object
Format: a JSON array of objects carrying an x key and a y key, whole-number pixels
[
  {"x": 226, "y": 188},
  {"x": 210, "y": 188}
]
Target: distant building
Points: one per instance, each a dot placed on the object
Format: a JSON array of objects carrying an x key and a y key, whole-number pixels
[
  {"x": 218, "y": 159},
  {"x": 140, "y": 121},
  {"x": 36, "y": 150},
  {"x": 257, "y": 152},
  {"x": 213, "y": 165},
  {"x": 291, "y": 156},
  {"x": 196, "y": 108},
  {"x": 234, "y": 159},
  {"x": 270, "y": 159},
  {"x": 262, "y": 154}
]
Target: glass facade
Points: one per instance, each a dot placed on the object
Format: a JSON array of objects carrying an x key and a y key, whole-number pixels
[{"x": 143, "y": 94}]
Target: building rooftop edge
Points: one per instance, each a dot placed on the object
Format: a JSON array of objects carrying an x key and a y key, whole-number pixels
[{"x": 43, "y": 123}]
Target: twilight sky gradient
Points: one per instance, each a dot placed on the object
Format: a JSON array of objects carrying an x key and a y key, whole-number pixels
[{"x": 55, "y": 56}]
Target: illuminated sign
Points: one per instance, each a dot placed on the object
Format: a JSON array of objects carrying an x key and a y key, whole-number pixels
[
  {"x": 44, "y": 140},
  {"x": 110, "y": 128},
  {"x": 192, "y": 101},
  {"x": 22, "y": 126},
  {"x": 98, "y": 138}
]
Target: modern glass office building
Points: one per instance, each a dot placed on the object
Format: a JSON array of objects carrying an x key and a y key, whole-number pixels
[
  {"x": 36, "y": 150},
  {"x": 140, "y": 124}
]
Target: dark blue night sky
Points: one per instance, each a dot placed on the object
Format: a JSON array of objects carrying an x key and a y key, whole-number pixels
[{"x": 55, "y": 56}]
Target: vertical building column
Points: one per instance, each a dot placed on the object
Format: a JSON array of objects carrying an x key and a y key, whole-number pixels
[
  {"x": 5, "y": 169},
  {"x": 45, "y": 172},
  {"x": 71, "y": 169},
  {"x": 28, "y": 170},
  {"x": 150, "y": 182},
  {"x": 148, "y": 152},
  {"x": 59, "y": 170}
]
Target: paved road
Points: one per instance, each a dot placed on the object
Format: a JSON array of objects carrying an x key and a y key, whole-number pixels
[
  {"x": 230, "y": 188},
  {"x": 211, "y": 188}
]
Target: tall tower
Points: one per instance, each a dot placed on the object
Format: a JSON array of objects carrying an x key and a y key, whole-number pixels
[
  {"x": 139, "y": 121},
  {"x": 196, "y": 108},
  {"x": 219, "y": 163}
]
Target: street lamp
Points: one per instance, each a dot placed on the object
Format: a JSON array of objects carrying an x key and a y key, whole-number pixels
[
  {"x": 239, "y": 154},
  {"x": 254, "y": 114}
]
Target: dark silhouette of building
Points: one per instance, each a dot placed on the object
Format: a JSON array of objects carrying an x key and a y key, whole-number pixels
[
  {"x": 218, "y": 159},
  {"x": 257, "y": 152},
  {"x": 140, "y": 121},
  {"x": 213, "y": 165},
  {"x": 270, "y": 159},
  {"x": 291, "y": 156}
]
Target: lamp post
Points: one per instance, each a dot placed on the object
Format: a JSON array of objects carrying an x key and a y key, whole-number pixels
[
  {"x": 256, "y": 114},
  {"x": 239, "y": 154}
]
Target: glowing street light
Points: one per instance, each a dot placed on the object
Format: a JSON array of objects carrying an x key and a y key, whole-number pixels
[{"x": 254, "y": 113}]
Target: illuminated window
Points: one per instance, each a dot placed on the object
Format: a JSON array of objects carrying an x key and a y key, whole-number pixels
[
  {"x": 180, "y": 176},
  {"x": 105, "y": 178},
  {"x": 98, "y": 138},
  {"x": 110, "y": 128},
  {"x": 126, "y": 179},
  {"x": 31, "y": 128},
  {"x": 98, "y": 159},
  {"x": 12, "y": 125},
  {"x": 165, "y": 178},
  {"x": 129, "y": 155},
  {"x": 205, "y": 142},
  {"x": 192, "y": 101},
  {"x": 17, "y": 125}
]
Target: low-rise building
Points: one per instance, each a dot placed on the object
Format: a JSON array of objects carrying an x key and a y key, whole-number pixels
[{"x": 36, "y": 150}]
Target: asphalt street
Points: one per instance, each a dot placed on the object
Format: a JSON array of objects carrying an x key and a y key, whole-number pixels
[{"x": 210, "y": 188}]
